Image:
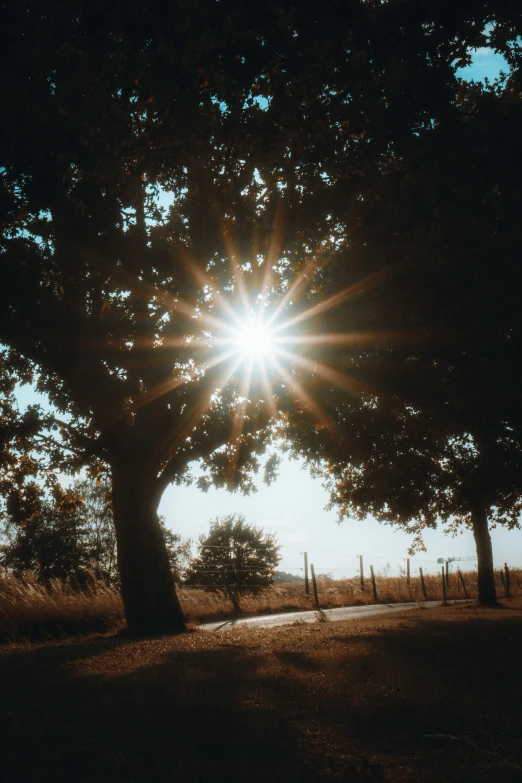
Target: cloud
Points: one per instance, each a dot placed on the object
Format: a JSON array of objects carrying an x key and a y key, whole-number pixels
[{"x": 483, "y": 51}]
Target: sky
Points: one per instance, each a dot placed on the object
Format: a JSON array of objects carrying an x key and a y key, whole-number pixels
[
  {"x": 485, "y": 63},
  {"x": 293, "y": 507}
]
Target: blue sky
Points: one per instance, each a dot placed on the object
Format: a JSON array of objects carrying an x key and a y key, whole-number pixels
[
  {"x": 485, "y": 63},
  {"x": 293, "y": 507}
]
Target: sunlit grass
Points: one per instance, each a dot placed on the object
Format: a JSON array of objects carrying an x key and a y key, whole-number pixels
[
  {"x": 201, "y": 606},
  {"x": 28, "y": 609}
]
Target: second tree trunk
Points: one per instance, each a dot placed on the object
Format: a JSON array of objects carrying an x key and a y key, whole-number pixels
[{"x": 486, "y": 575}]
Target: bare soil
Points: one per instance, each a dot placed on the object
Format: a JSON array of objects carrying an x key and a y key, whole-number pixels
[{"x": 424, "y": 695}]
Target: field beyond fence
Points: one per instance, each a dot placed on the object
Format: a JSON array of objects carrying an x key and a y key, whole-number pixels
[{"x": 30, "y": 610}]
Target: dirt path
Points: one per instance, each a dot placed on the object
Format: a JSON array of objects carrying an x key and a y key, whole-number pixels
[{"x": 317, "y": 616}]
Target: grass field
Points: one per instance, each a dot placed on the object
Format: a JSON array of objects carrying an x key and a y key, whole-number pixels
[
  {"x": 29, "y": 610},
  {"x": 425, "y": 696}
]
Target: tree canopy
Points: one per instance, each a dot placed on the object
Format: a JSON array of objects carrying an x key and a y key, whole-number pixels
[
  {"x": 436, "y": 433},
  {"x": 234, "y": 557}
]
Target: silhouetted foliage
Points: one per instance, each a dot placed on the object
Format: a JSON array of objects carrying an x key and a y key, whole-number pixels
[
  {"x": 283, "y": 576},
  {"x": 53, "y": 544},
  {"x": 436, "y": 433},
  {"x": 75, "y": 540},
  {"x": 234, "y": 556}
]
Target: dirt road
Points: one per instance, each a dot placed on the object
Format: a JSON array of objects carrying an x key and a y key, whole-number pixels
[{"x": 317, "y": 616}]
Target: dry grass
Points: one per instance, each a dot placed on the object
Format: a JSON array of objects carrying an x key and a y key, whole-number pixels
[
  {"x": 201, "y": 606},
  {"x": 28, "y": 609}
]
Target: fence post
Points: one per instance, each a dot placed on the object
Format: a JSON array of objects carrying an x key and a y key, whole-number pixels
[
  {"x": 463, "y": 583},
  {"x": 307, "y": 584},
  {"x": 408, "y": 572},
  {"x": 503, "y": 580},
  {"x": 423, "y": 585},
  {"x": 374, "y": 588},
  {"x": 447, "y": 573},
  {"x": 238, "y": 572},
  {"x": 444, "y": 601},
  {"x": 314, "y": 583},
  {"x": 508, "y": 582},
  {"x": 361, "y": 572}
]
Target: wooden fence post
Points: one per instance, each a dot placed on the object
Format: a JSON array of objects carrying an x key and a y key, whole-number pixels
[
  {"x": 307, "y": 583},
  {"x": 408, "y": 572},
  {"x": 503, "y": 580},
  {"x": 463, "y": 583},
  {"x": 423, "y": 585},
  {"x": 444, "y": 601},
  {"x": 374, "y": 588},
  {"x": 508, "y": 581},
  {"x": 447, "y": 573},
  {"x": 361, "y": 571},
  {"x": 238, "y": 572},
  {"x": 314, "y": 582}
]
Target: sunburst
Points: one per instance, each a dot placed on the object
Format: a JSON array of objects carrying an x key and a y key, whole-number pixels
[{"x": 248, "y": 336}]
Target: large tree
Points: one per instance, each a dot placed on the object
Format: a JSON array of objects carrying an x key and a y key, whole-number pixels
[
  {"x": 264, "y": 125},
  {"x": 436, "y": 433}
]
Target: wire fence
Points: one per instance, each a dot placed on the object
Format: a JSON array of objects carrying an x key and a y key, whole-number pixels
[{"x": 382, "y": 565}]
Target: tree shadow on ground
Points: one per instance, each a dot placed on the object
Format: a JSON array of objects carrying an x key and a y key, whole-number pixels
[
  {"x": 190, "y": 717},
  {"x": 326, "y": 702},
  {"x": 440, "y": 701}
]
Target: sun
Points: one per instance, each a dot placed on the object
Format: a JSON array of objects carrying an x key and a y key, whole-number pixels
[
  {"x": 254, "y": 341},
  {"x": 258, "y": 339}
]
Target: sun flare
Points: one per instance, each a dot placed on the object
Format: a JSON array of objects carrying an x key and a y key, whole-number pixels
[
  {"x": 256, "y": 336},
  {"x": 254, "y": 341}
]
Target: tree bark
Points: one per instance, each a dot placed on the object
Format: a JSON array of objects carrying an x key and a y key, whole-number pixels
[
  {"x": 147, "y": 585},
  {"x": 486, "y": 575}
]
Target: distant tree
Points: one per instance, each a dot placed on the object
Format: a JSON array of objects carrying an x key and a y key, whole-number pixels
[
  {"x": 75, "y": 538},
  {"x": 179, "y": 551},
  {"x": 53, "y": 544},
  {"x": 95, "y": 511},
  {"x": 234, "y": 557},
  {"x": 283, "y": 576}
]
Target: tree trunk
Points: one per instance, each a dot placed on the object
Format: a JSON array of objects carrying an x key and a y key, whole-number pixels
[
  {"x": 147, "y": 585},
  {"x": 486, "y": 575}
]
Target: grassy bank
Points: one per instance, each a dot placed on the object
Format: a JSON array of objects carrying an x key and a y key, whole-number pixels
[
  {"x": 429, "y": 695},
  {"x": 30, "y": 610},
  {"x": 205, "y": 607}
]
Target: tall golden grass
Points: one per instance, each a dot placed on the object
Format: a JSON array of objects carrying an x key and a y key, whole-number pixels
[
  {"x": 29, "y": 609},
  {"x": 201, "y": 606}
]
